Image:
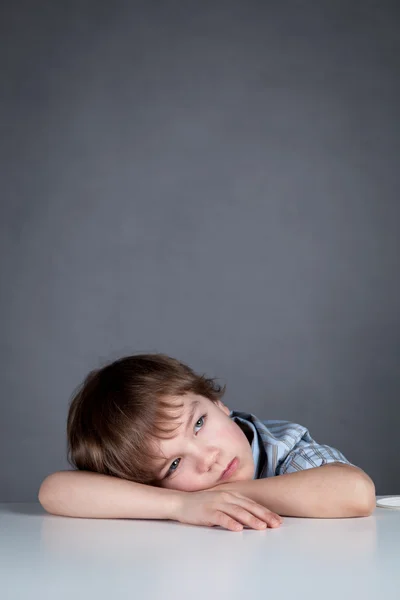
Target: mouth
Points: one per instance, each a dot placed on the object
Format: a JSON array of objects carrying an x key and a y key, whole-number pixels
[{"x": 230, "y": 469}]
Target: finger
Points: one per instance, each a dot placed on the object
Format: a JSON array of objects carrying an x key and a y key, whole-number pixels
[
  {"x": 224, "y": 520},
  {"x": 243, "y": 515},
  {"x": 261, "y": 512},
  {"x": 273, "y": 519}
]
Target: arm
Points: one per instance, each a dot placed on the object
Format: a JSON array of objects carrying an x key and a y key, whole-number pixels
[
  {"x": 331, "y": 491},
  {"x": 91, "y": 495}
]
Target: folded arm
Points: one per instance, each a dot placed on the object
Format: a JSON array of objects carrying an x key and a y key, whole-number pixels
[{"x": 334, "y": 490}]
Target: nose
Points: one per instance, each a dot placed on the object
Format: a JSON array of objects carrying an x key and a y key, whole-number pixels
[{"x": 206, "y": 459}]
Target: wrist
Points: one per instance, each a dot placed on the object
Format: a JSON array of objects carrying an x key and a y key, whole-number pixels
[{"x": 173, "y": 504}]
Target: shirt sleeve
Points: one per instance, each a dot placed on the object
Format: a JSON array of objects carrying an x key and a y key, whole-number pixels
[{"x": 308, "y": 454}]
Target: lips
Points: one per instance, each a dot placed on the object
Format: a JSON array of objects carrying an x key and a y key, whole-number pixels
[{"x": 230, "y": 469}]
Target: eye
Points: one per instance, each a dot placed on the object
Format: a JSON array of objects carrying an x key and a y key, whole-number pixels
[
  {"x": 173, "y": 468},
  {"x": 202, "y": 419}
]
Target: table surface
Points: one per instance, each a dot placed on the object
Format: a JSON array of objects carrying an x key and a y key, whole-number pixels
[{"x": 46, "y": 556}]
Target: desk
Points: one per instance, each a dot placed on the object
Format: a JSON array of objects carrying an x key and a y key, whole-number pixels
[{"x": 49, "y": 557}]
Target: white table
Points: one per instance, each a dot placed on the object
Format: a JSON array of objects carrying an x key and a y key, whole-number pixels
[{"x": 45, "y": 556}]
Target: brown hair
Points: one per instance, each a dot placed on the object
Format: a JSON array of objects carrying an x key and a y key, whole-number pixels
[{"x": 119, "y": 410}]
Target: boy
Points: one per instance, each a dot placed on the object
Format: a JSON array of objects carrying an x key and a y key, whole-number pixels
[{"x": 152, "y": 439}]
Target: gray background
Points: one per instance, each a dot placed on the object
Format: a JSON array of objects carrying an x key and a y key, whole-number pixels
[{"x": 213, "y": 180}]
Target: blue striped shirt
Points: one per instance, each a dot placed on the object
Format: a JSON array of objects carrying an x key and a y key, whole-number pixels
[{"x": 283, "y": 447}]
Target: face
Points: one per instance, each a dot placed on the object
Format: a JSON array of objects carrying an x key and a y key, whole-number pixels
[{"x": 206, "y": 441}]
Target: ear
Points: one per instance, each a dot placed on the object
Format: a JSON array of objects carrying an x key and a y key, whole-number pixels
[{"x": 223, "y": 407}]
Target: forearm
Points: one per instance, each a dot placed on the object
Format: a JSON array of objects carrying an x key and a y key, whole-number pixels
[
  {"x": 91, "y": 495},
  {"x": 330, "y": 491}
]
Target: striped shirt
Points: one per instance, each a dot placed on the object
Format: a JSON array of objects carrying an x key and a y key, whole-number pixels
[{"x": 283, "y": 447}]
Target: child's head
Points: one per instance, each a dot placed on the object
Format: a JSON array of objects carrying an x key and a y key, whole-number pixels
[{"x": 142, "y": 418}]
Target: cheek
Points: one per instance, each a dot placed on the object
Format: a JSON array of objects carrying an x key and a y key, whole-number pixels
[
  {"x": 184, "y": 484},
  {"x": 230, "y": 434}
]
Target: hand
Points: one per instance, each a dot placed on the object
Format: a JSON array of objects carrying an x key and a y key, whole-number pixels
[{"x": 230, "y": 510}]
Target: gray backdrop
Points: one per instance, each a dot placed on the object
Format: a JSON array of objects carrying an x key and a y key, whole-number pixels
[{"x": 213, "y": 180}]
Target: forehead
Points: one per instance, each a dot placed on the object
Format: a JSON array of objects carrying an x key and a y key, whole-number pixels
[
  {"x": 178, "y": 406},
  {"x": 186, "y": 398},
  {"x": 181, "y": 408}
]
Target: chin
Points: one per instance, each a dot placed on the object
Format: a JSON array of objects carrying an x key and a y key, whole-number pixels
[{"x": 242, "y": 477}]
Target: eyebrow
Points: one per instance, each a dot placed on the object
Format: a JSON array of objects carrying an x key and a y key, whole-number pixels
[{"x": 193, "y": 407}]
